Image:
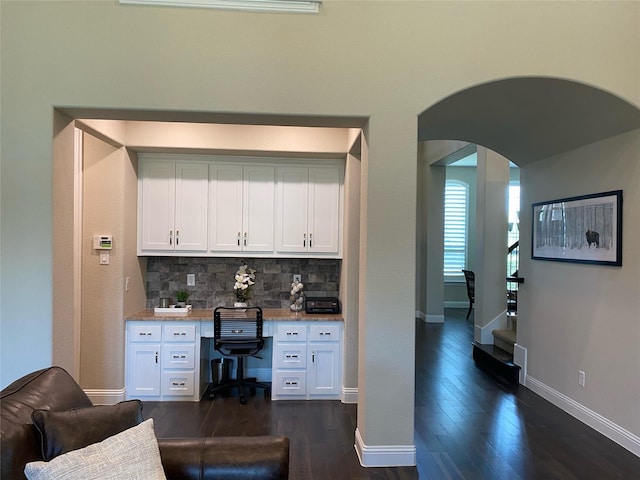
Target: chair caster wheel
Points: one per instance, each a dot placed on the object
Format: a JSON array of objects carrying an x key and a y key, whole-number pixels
[{"x": 243, "y": 401}]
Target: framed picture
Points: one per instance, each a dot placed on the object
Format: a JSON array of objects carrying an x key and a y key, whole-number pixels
[{"x": 586, "y": 229}]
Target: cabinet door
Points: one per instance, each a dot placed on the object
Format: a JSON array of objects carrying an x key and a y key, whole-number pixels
[
  {"x": 323, "y": 372},
  {"x": 225, "y": 207},
  {"x": 258, "y": 208},
  {"x": 192, "y": 193},
  {"x": 324, "y": 209},
  {"x": 157, "y": 206},
  {"x": 293, "y": 194},
  {"x": 143, "y": 370}
]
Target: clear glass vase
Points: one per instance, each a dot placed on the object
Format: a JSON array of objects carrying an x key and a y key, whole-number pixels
[{"x": 296, "y": 302}]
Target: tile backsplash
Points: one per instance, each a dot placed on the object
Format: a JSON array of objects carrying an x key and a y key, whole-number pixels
[{"x": 215, "y": 279}]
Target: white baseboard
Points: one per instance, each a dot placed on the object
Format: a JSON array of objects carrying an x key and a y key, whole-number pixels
[
  {"x": 429, "y": 318},
  {"x": 349, "y": 394},
  {"x": 520, "y": 359},
  {"x": 105, "y": 397},
  {"x": 622, "y": 437},
  {"x": 385, "y": 455},
  {"x": 484, "y": 335},
  {"x": 434, "y": 319}
]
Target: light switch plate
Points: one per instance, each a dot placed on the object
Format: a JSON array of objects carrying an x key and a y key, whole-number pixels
[{"x": 191, "y": 279}]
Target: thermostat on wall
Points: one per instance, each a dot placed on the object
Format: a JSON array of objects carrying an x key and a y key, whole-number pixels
[{"x": 102, "y": 242}]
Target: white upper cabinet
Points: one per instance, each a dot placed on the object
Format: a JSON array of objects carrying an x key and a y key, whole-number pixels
[
  {"x": 241, "y": 207},
  {"x": 172, "y": 206},
  {"x": 309, "y": 210},
  {"x": 200, "y": 205}
]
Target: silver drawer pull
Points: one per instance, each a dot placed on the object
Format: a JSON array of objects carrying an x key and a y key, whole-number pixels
[
  {"x": 292, "y": 333},
  {"x": 239, "y": 330},
  {"x": 291, "y": 383},
  {"x": 177, "y": 334},
  {"x": 145, "y": 334},
  {"x": 325, "y": 333},
  {"x": 178, "y": 384},
  {"x": 179, "y": 356},
  {"x": 292, "y": 356}
]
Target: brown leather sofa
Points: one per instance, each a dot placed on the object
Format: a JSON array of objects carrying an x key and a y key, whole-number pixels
[{"x": 53, "y": 389}]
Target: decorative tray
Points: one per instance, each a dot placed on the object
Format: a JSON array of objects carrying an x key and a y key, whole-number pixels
[{"x": 172, "y": 310}]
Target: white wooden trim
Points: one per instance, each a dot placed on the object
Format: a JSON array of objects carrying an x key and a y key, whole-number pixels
[
  {"x": 349, "y": 394},
  {"x": 434, "y": 319},
  {"x": 78, "y": 181},
  {"x": 622, "y": 437},
  {"x": 105, "y": 397},
  {"x": 520, "y": 359},
  {"x": 290, "y": 6},
  {"x": 384, "y": 455}
]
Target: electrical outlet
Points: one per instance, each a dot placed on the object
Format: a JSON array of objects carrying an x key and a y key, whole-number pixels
[
  {"x": 581, "y": 378},
  {"x": 297, "y": 277},
  {"x": 191, "y": 279}
]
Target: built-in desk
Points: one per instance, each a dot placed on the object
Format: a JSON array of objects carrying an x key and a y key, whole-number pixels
[{"x": 168, "y": 356}]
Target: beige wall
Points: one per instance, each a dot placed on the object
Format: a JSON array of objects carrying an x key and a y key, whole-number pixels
[
  {"x": 171, "y": 59},
  {"x": 575, "y": 317},
  {"x": 109, "y": 207}
]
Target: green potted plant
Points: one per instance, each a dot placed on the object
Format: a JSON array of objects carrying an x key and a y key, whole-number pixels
[{"x": 181, "y": 298}]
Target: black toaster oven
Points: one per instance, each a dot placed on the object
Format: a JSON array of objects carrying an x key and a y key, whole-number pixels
[{"x": 322, "y": 305}]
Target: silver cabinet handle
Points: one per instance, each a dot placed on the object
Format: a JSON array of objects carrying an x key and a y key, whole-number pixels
[
  {"x": 310, "y": 240},
  {"x": 238, "y": 238},
  {"x": 170, "y": 237},
  {"x": 245, "y": 239},
  {"x": 177, "y": 237}
]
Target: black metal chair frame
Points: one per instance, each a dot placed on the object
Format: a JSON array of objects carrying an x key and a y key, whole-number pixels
[
  {"x": 237, "y": 332},
  {"x": 470, "y": 278}
]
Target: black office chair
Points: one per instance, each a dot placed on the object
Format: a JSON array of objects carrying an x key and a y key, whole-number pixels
[
  {"x": 470, "y": 278},
  {"x": 237, "y": 332}
]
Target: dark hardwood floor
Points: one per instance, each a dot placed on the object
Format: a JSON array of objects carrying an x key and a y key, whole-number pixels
[{"x": 468, "y": 425}]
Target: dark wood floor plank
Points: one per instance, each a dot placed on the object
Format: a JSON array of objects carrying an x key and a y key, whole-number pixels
[{"x": 468, "y": 425}]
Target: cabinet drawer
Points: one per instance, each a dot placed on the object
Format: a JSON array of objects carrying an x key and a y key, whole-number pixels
[
  {"x": 290, "y": 383},
  {"x": 324, "y": 333},
  {"x": 179, "y": 333},
  {"x": 178, "y": 383},
  {"x": 292, "y": 333},
  {"x": 145, "y": 333},
  {"x": 290, "y": 355},
  {"x": 178, "y": 356}
]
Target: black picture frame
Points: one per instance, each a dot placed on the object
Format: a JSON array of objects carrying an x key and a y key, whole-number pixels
[{"x": 584, "y": 229}]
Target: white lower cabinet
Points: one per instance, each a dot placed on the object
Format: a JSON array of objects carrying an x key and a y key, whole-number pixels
[
  {"x": 307, "y": 360},
  {"x": 162, "y": 360}
]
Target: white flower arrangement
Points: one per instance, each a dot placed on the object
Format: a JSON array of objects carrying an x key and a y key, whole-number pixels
[
  {"x": 245, "y": 278},
  {"x": 296, "y": 299}
]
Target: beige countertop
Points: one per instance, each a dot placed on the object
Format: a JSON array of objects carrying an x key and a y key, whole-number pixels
[{"x": 268, "y": 314}]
